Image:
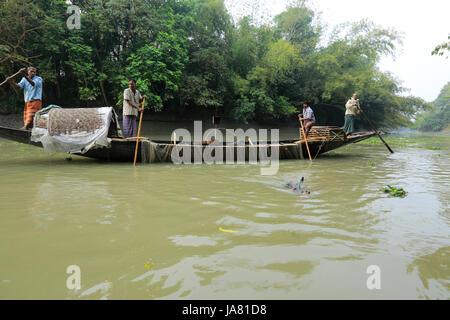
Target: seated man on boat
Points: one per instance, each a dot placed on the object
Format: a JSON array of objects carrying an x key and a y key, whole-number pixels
[
  {"x": 308, "y": 118},
  {"x": 131, "y": 100},
  {"x": 352, "y": 108},
  {"x": 32, "y": 91}
]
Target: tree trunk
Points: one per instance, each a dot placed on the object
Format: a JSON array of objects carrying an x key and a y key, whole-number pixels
[
  {"x": 105, "y": 99},
  {"x": 58, "y": 79}
]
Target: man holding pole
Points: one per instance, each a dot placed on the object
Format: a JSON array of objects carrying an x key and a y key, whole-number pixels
[
  {"x": 131, "y": 100},
  {"x": 308, "y": 118},
  {"x": 352, "y": 108},
  {"x": 32, "y": 90}
]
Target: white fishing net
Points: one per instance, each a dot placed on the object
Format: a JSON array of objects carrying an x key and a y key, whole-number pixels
[{"x": 75, "y": 130}]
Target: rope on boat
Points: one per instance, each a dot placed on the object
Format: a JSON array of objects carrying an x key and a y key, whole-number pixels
[{"x": 320, "y": 148}]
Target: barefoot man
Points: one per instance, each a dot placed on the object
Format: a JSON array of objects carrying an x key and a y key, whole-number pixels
[{"x": 32, "y": 91}]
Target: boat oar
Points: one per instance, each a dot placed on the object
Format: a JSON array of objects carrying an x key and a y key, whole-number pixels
[
  {"x": 306, "y": 140},
  {"x": 13, "y": 76},
  {"x": 139, "y": 133},
  {"x": 376, "y": 131}
]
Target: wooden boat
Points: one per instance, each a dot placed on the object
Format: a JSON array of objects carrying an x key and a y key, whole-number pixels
[{"x": 321, "y": 140}]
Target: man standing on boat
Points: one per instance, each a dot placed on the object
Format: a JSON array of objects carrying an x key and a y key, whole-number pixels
[
  {"x": 352, "y": 108},
  {"x": 131, "y": 100},
  {"x": 308, "y": 118},
  {"x": 32, "y": 90}
]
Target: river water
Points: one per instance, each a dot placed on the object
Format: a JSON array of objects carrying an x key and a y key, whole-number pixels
[{"x": 164, "y": 231}]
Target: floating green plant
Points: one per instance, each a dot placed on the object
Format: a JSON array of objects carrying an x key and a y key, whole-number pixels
[
  {"x": 433, "y": 148},
  {"x": 396, "y": 192},
  {"x": 371, "y": 164}
]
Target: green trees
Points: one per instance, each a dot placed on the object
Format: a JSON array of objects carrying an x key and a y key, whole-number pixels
[
  {"x": 295, "y": 68},
  {"x": 158, "y": 68},
  {"x": 189, "y": 56},
  {"x": 206, "y": 80},
  {"x": 438, "y": 118}
]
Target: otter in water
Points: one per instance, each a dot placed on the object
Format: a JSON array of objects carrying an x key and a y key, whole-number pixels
[{"x": 297, "y": 187}]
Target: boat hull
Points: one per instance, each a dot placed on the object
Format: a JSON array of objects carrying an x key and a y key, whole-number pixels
[{"x": 123, "y": 150}]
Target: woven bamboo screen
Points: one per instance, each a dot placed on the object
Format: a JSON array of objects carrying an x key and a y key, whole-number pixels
[{"x": 325, "y": 134}]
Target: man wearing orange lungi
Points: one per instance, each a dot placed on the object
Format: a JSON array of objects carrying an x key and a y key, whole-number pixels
[{"x": 32, "y": 90}]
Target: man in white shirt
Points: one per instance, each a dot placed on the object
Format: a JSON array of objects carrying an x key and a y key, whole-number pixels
[
  {"x": 131, "y": 100},
  {"x": 352, "y": 108}
]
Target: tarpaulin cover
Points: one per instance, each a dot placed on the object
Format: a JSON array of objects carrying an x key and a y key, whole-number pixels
[{"x": 74, "y": 130}]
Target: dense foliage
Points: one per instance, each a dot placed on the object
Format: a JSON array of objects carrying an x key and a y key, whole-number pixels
[
  {"x": 438, "y": 118},
  {"x": 190, "y": 57}
]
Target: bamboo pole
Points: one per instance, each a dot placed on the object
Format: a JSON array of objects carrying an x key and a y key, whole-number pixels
[
  {"x": 13, "y": 76},
  {"x": 306, "y": 140},
  {"x": 139, "y": 133},
  {"x": 376, "y": 131}
]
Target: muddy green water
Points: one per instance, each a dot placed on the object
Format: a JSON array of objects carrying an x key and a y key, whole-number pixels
[{"x": 153, "y": 232}]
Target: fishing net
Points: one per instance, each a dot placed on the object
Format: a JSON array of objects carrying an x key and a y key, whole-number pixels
[
  {"x": 75, "y": 130},
  {"x": 153, "y": 152},
  {"x": 73, "y": 121}
]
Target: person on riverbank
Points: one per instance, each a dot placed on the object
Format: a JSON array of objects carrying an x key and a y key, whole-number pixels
[
  {"x": 352, "y": 109},
  {"x": 308, "y": 118},
  {"x": 32, "y": 91},
  {"x": 131, "y": 100}
]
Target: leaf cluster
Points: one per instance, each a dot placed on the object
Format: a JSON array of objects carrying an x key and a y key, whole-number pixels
[{"x": 395, "y": 192}]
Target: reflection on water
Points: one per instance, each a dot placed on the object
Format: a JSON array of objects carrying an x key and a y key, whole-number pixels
[
  {"x": 430, "y": 268},
  {"x": 154, "y": 232}
]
